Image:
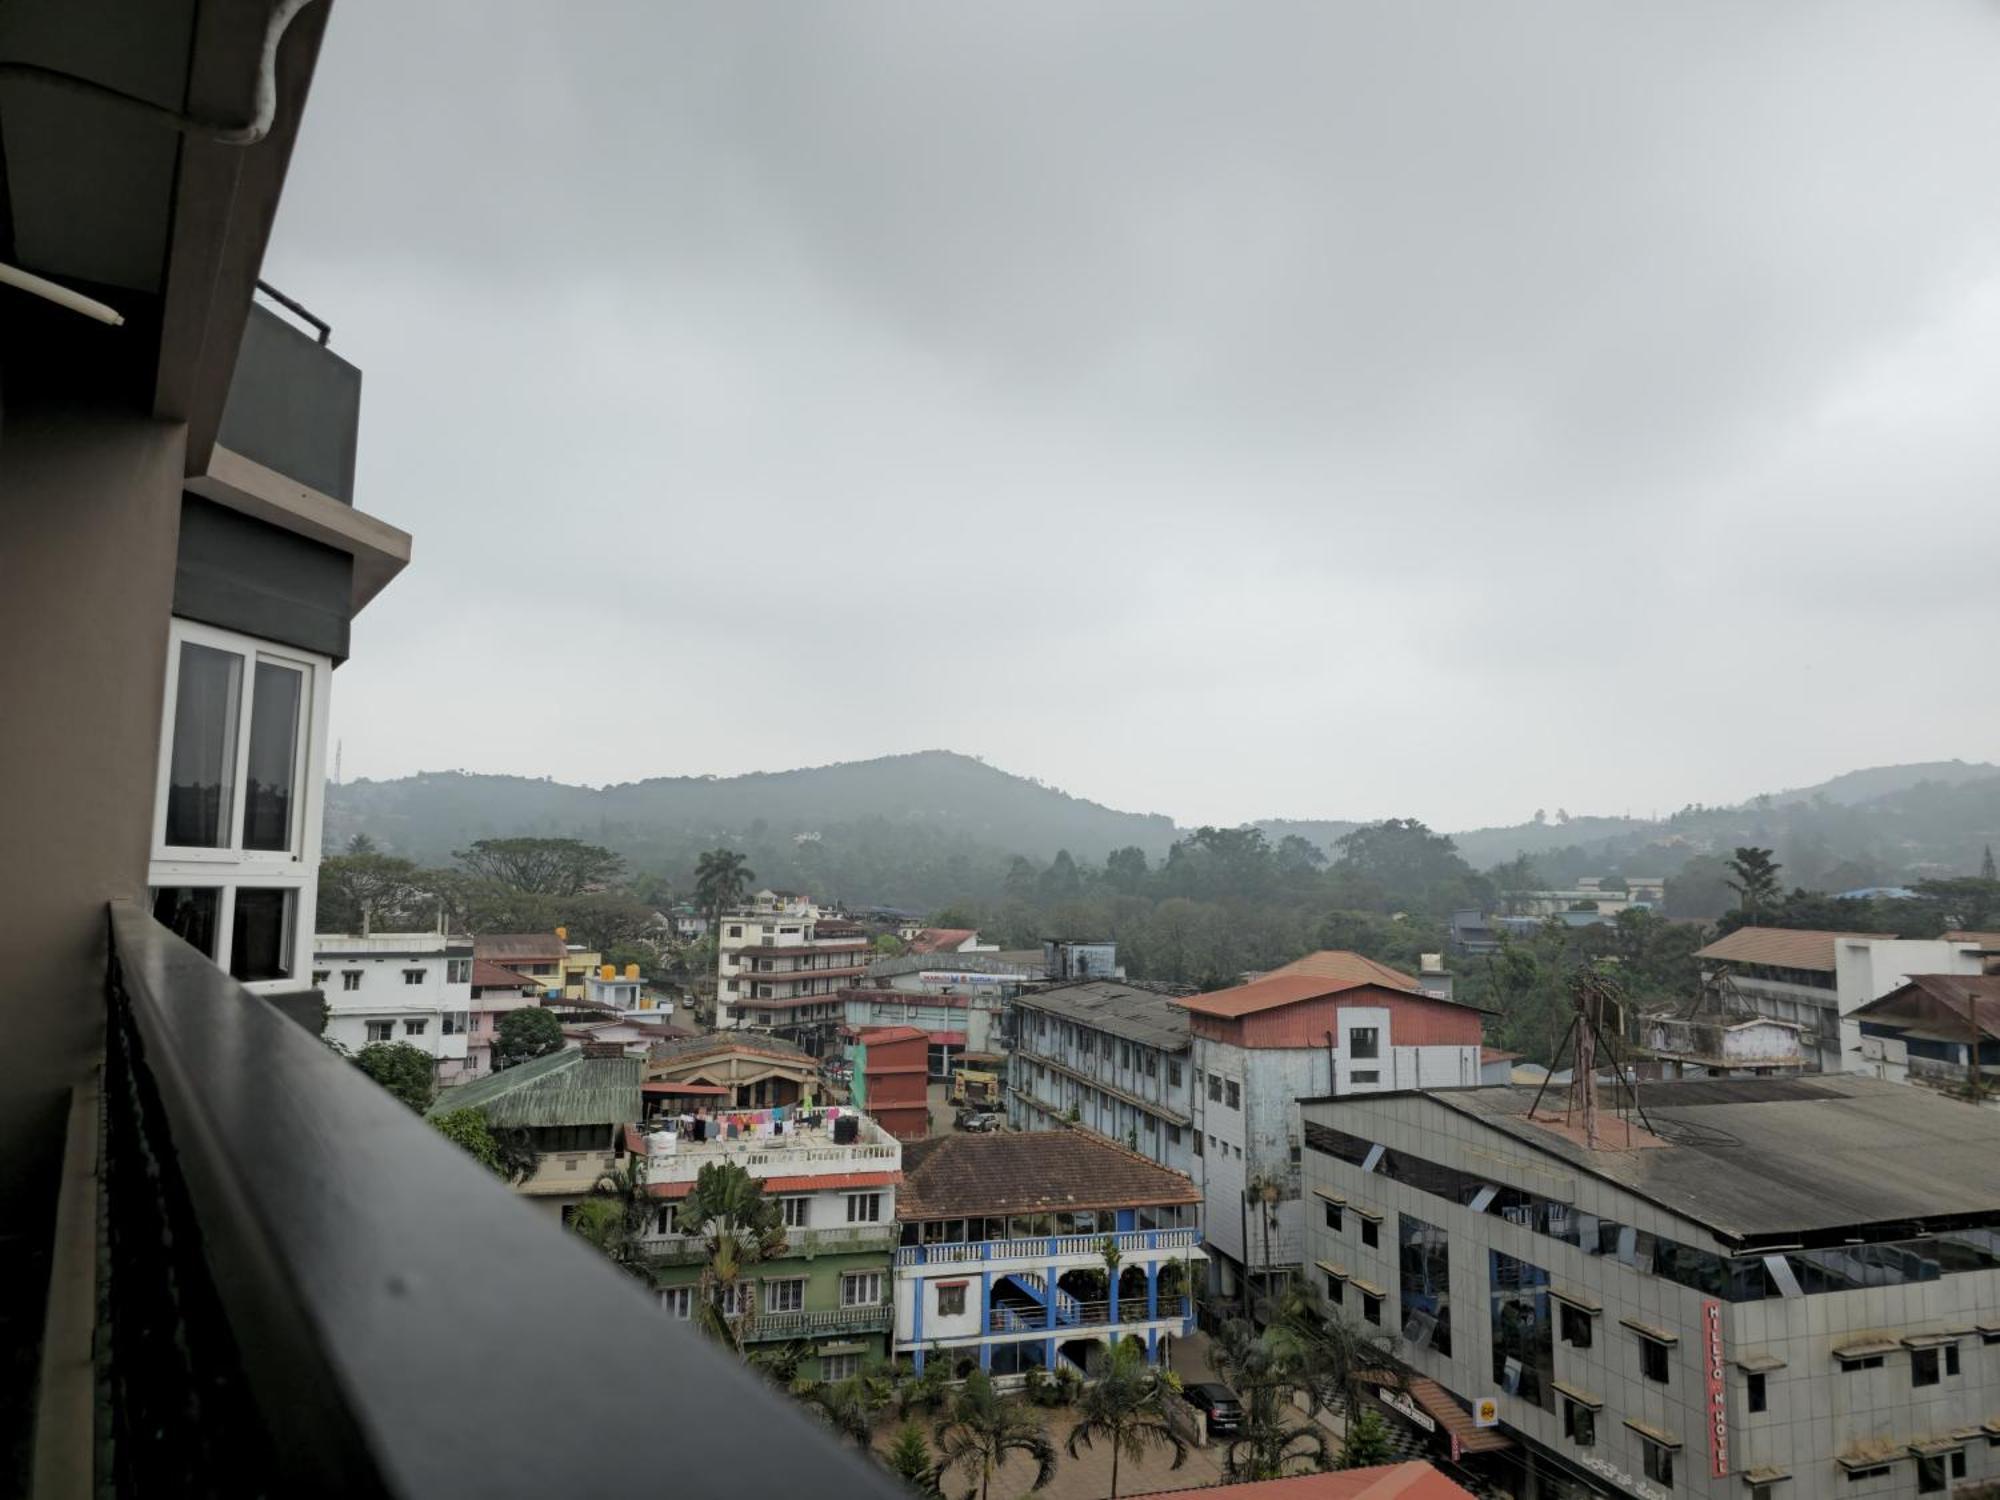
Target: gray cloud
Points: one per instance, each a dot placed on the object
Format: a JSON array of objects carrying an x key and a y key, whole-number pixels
[{"x": 1225, "y": 410}]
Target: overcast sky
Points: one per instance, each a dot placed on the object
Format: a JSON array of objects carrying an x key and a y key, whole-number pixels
[{"x": 1312, "y": 410}]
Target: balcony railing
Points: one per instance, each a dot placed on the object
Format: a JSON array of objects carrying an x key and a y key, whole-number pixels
[
  {"x": 1130, "y": 1310},
  {"x": 300, "y": 1280},
  {"x": 1048, "y": 1248},
  {"x": 824, "y": 1323},
  {"x": 844, "y": 1239},
  {"x": 293, "y": 406}
]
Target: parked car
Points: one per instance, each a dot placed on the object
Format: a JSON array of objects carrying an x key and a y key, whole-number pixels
[
  {"x": 981, "y": 1120},
  {"x": 1218, "y": 1403}
]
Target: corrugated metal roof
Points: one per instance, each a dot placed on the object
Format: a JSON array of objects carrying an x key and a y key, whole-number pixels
[
  {"x": 1129, "y": 1011},
  {"x": 566, "y": 1088},
  {"x": 1308, "y": 978},
  {"x": 1941, "y": 1003},
  {"x": 1783, "y": 947},
  {"x": 1772, "y": 1158}
]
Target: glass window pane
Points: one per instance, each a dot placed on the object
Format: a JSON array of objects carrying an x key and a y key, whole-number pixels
[
  {"x": 274, "y": 746},
  {"x": 261, "y": 945},
  {"x": 201, "y": 782},
  {"x": 189, "y": 913}
]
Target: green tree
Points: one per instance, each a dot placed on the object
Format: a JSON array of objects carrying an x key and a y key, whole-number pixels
[
  {"x": 888, "y": 945},
  {"x": 1756, "y": 883},
  {"x": 1367, "y": 1441},
  {"x": 543, "y": 867},
  {"x": 909, "y": 1459},
  {"x": 604, "y": 920},
  {"x": 526, "y": 1034},
  {"x": 466, "y": 1129},
  {"x": 850, "y": 1406},
  {"x": 361, "y": 891},
  {"x": 361, "y": 843},
  {"x": 983, "y": 1430},
  {"x": 615, "y": 1216},
  {"x": 1125, "y": 1405},
  {"x": 739, "y": 1228},
  {"x": 405, "y": 1071},
  {"x": 1965, "y": 901},
  {"x": 721, "y": 880}
]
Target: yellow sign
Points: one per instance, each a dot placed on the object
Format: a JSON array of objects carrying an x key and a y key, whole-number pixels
[{"x": 1485, "y": 1412}]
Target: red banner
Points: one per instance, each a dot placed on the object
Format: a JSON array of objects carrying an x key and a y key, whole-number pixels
[{"x": 1718, "y": 1389}]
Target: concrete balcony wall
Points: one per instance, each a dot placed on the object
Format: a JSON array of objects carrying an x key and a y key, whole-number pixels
[{"x": 293, "y": 406}]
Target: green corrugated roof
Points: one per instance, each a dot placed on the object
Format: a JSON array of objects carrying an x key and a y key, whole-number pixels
[{"x": 565, "y": 1088}]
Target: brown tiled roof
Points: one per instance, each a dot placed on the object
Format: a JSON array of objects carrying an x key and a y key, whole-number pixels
[
  {"x": 513, "y": 947},
  {"x": 1782, "y": 947},
  {"x": 1021, "y": 1172},
  {"x": 1308, "y": 978},
  {"x": 492, "y": 976},
  {"x": 1983, "y": 939},
  {"x": 872, "y": 1034},
  {"x": 721, "y": 1043},
  {"x": 940, "y": 939},
  {"x": 1939, "y": 1003}
]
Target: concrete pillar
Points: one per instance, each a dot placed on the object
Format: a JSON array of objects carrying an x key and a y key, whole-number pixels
[
  {"x": 1051, "y": 1308},
  {"x": 1152, "y": 1290}
]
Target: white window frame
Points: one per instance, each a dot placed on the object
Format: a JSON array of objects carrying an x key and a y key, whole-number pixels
[
  {"x": 677, "y": 1301},
  {"x": 785, "y": 1289},
  {"x": 864, "y": 1208},
  {"x": 869, "y": 1281},
  {"x": 834, "y": 1367},
  {"x": 796, "y": 1211},
  {"x": 367, "y": 1026},
  {"x": 294, "y": 869}
]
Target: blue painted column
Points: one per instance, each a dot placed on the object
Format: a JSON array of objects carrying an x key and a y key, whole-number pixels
[
  {"x": 917, "y": 1324},
  {"x": 1113, "y": 1280},
  {"x": 1051, "y": 1290},
  {"x": 985, "y": 1319},
  {"x": 1152, "y": 1346},
  {"x": 1152, "y": 1290}
]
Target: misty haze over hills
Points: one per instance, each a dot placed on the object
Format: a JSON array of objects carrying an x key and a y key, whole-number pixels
[{"x": 911, "y": 828}]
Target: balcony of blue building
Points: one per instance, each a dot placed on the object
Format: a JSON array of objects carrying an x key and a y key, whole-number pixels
[{"x": 1035, "y": 1251}]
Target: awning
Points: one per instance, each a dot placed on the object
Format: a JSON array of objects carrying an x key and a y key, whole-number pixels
[
  {"x": 1338, "y": 1273},
  {"x": 1367, "y": 1213},
  {"x": 1928, "y": 1340},
  {"x": 1584, "y": 1300},
  {"x": 1756, "y": 1362},
  {"x": 1653, "y": 1434},
  {"x": 1338, "y": 1200},
  {"x": 1579, "y": 1395},
  {"x": 1765, "y": 1474},
  {"x": 1367, "y": 1288},
  {"x": 1933, "y": 1446},
  {"x": 1866, "y": 1348},
  {"x": 1652, "y": 1331}
]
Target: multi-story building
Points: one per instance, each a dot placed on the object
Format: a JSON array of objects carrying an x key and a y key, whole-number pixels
[
  {"x": 495, "y": 991},
  {"x": 1114, "y": 1058},
  {"x": 757, "y": 1072},
  {"x": 960, "y": 1000},
  {"x": 837, "y": 1190},
  {"x": 1925, "y": 1032},
  {"x": 1331, "y": 1023},
  {"x": 1817, "y": 980},
  {"x": 539, "y": 957},
  {"x": 776, "y": 973},
  {"x": 580, "y": 964},
  {"x": 1022, "y": 1250},
  {"x": 413, "y": 987},
  {"x": 1759, "y": 1289},
  {"x": 891, "y": 1076}
]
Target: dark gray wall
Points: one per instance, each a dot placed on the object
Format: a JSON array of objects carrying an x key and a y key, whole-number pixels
[
  {"x": 237, "y": 573},
  {"x": 89, "y": 509},
  {"x": 294, "y": 406}
]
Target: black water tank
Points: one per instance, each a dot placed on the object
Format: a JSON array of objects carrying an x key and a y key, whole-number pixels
[{"x": 846, "y": 1130}]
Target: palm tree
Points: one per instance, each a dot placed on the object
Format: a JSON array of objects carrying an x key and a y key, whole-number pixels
[
  {"x": 849, "y": 1406},
  {"x": 983, "y": 1431},
  {"x": 1126, "y": 1405},
  {"x": 614, "y": 1217},
  {"x": 1268, "y": 1370},
  {"x": 721, "y": 878},
  {"x": 740, "y": 1228}
]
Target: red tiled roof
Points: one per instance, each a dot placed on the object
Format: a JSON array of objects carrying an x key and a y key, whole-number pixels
[
  {"x": 890, "y": 1033},
  {"x": 1405, "y": 1481},
  {"x": 837, "y": 1182},
  {"x": 1018, "y": 1172},
  {"x": 1310, "y": 978},
  {"x": 941, "y": 939}
]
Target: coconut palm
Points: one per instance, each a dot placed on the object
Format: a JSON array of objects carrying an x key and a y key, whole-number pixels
[
  {"x": 721, "y": 879},
  {"x": 849, "y": 1406},
  {"x": 982, "y": 1431},
  {"x": 739, "y": 1228},
  {"x": 1125, "y": 1405},
  {"x": 1267, "y": 1370},
  {"x": 614, "y": 1217}
]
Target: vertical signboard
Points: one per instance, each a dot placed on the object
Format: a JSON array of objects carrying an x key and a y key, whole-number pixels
[{"x": 1718, "y": 1389}]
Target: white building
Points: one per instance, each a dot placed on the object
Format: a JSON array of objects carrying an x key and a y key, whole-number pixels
[
  {"x": 774, "y": 953},
  {"x": 1331, "y": 1024},
  {"x": 1817, "y": 980},
  {"x": 413, "y": 987}
]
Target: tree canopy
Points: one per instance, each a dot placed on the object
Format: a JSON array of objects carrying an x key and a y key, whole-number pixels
[
  {"x": 526, "y": 1034},
  {"x": 408, "y": 1072},
  {"x": 544, "y": 867}
]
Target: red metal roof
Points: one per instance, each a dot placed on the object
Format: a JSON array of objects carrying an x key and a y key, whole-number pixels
[
  {"x": 838, "y": 1182},
  {"x": 872, "y": 1034},
  {"x": 941, "y": 939},
  {"x": 947, "y": 1038}
]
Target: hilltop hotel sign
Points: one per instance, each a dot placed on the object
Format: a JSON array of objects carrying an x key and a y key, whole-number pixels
[{"x": 1718, "y": 1400}]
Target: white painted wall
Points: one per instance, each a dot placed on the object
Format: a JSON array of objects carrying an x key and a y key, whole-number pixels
[{"x": 379, "y": 964}]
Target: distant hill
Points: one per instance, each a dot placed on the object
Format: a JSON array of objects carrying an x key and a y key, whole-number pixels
[
  {"x": 948, "y": 799},
  {"x": 925, "y": 830}
]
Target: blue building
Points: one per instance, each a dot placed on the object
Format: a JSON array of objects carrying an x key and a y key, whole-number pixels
[{"x": 1028, "y": 1251}]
